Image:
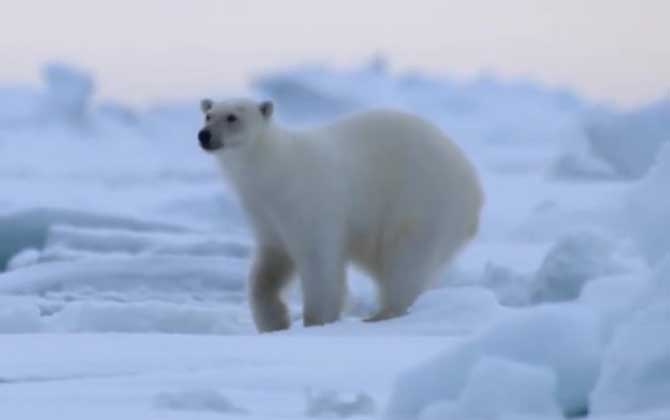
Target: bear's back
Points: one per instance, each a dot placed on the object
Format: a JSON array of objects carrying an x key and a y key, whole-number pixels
[
  {"x": 394, "y": 149},
  {"x": 395, "y": 162}
]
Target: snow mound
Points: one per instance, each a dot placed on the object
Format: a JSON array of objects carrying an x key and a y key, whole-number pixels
[
  {"x": 616, "y": 144},
  {"x": 197, "y": 400},
  {"x": 574, "y": 260},
  {"x": 333, "y": 404},
  {"x": 560, "y": 339},
  {"x": 636, "y": 367},
  {"x": 69, "y": 92},
  {"x": 450, "y": 312},
  {"x": 614, "y": 299},
  {"x": 510, "y": 287},
  {"x": 461, "y": 310},
  {"x": 646, "y": 208},
  {"x": 630, "y": 141},
  {"x": 66, "y": 98},
  {"x": 501, "y": 389},
  {"x": 577, "y": 162}
]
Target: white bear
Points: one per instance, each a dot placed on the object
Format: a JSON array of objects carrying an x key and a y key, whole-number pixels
[{"x": 382, "y": 189}]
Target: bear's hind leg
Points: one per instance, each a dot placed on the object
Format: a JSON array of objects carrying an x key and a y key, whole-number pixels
[
  {"x": 405, "y": 273},
  {"x": 271, "y": 271}
]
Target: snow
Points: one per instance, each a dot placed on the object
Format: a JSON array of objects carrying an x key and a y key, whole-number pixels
[
  {"x": 331, "y": 404},
  {"x": 112, "y": 376},
  {"x": 164, "y": 317},
  {"x": 196, "y": 400},
  {"x": 124, "y": 258}
]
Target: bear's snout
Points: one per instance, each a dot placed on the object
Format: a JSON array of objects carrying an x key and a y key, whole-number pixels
[{"x": 205, "y": 138}]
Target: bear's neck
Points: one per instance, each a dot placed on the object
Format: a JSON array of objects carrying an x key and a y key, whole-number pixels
[{"x": 260, "y": 168}]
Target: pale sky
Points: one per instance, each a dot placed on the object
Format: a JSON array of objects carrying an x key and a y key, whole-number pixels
[{"x": 143, "y": 51}]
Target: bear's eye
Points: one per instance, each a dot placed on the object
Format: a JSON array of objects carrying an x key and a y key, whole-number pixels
[
  {"x": 231, "y": 118},
  {"x": 208, "y": 117}
]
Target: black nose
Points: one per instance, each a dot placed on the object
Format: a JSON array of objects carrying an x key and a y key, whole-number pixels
[{"x": 205, "y": 137}]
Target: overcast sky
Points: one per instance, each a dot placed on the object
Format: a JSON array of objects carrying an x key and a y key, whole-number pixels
[{"x": 615, "y": 50}]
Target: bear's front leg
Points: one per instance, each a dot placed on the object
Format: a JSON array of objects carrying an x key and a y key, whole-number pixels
[
  {"x": 271, "y": 271},
  {"x": 323, "y": 281}
]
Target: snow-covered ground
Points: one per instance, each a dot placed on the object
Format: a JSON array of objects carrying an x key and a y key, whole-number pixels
[{"x": 123, "y": 259}]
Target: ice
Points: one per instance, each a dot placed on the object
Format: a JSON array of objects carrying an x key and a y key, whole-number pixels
[
  {"x": 563, "y": 340},
  {"x": 23, "y": 258},
  {"x": 29, "y": 228},
  {"x": 196, "y": 400},
  {"x": 121, "y": 293},
  {"x": 123, "y": 241},
  {"x": 165, "y": 273}
]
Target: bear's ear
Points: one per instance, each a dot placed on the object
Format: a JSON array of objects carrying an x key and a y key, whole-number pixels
[
  {"x": 206, "y": 105},
  {"x": 266, "y": 108}
]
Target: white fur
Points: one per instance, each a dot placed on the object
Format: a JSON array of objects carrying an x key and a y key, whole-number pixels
[{"x": 382, "y": 189}]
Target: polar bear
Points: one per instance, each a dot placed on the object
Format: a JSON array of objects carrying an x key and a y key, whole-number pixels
[{"x": 382, "y": 189}]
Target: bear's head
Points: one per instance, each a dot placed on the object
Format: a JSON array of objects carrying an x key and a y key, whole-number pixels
[{"x": 233, "y": 124}]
